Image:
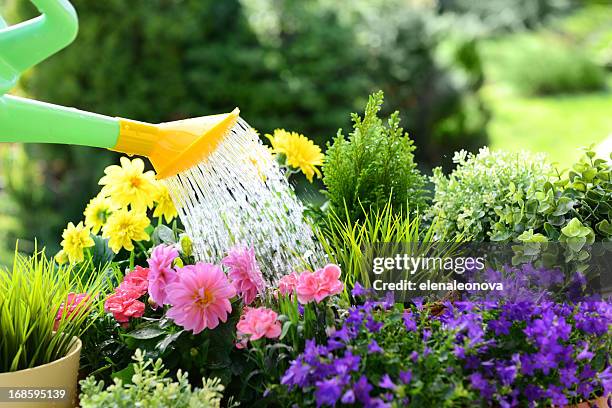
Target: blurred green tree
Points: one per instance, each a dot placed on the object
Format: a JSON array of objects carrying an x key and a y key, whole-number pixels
[{"x": 298, "y": 64}]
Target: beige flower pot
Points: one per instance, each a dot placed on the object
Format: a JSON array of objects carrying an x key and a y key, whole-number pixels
[{"x": 59, "y": 375}]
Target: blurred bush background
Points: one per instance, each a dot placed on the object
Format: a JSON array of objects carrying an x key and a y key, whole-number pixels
[{"x": 463, "y": 74}]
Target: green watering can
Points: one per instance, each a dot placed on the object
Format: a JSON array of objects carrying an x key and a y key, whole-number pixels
[{"x": 172, "y": 147}]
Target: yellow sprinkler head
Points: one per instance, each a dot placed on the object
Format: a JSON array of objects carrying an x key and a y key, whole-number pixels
[{"x": 174, "y": 147}]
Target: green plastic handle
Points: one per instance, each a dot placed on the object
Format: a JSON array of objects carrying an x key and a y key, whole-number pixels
[{"x": 25, "y": 45}]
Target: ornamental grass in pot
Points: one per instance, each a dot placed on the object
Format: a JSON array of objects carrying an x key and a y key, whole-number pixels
[{"x": 43, "y": 309}]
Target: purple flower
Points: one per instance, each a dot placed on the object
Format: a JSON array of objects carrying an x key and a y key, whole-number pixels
[
  {"x": 405, "y": 376},
  {"x": 605, "y": 377},
  {"x": 585, "y": 354},
  {"x": 362, "y": 390},
  {"x": 296, "y": 374},
  {"x": 567, "y": 377},
  {"x": 385, "y": 382},
  {"x": 328, "y": 392},
  {"x": 480, "y": 383},
  {"x": 555, "y": 393},
  {"x": 372, "y": 325},
  {"x": 533, "y": 392},
  {"x": 373, "y": 347},
  {"x": 545, "y": 362},
  {"x": 349, "y": 396},
  {"x": 414, "y": 356},
  {"x": 506, "y": 374},
  {"x": 501, "y": 326},
  {"x": 358, "y": 290}
]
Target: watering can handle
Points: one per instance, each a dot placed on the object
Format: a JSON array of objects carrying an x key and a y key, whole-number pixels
[{"x": 26, "y": 44}]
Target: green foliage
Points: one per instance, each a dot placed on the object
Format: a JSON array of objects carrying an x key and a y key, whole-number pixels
[
  {"x": 482, "y": 193},
  {"x": 547, "y": 64},
  {"x": 32, "y": 293},
  {"x": 151, "y": 388},
  {"x": 575, "y": 207},
  {"x": 374, "y": 166}
]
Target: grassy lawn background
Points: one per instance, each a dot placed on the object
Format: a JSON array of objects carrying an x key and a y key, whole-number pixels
[{"x": 560, "y": 124}]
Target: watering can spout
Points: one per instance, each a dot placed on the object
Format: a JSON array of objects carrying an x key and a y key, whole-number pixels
[{"x": 175, "y": 146}]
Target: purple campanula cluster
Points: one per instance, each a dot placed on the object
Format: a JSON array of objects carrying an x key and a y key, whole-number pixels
[{"x": 517, "y": 353}]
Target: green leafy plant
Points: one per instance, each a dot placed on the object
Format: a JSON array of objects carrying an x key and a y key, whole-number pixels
[
  {"x": 482, "y": 197},
  {"x": 572, "y": 204},
  {"x": 38, "y": 315},
  {"x": 375, "y": 165},
  {"x": 151, "y": 387}
]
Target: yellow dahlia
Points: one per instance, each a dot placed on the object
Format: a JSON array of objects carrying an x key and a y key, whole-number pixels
[
  {"x": 129, "y": 184},
  {"x": 164, "y": 205},
  {"x": 97, "y": 212},
  {"x": 300, "y": 152},
  {"x": 75, "y": 240},
  {"x": 123, "y": 227}
]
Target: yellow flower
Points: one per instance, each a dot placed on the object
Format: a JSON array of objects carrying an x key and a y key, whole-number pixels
[
  {"x": 75, "y": 240},
  {"x": 300, "y": 151},
  {"x": 97, "y": 212},
  {"x": 128, "y": 184},
  {"x": 61, "y": 257},
  {"x": 165, "y": 207},
  {"x": 123, "y": 227}
]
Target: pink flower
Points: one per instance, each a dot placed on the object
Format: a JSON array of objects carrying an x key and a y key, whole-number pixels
[
  {"x": 287, "y": 283},
  {"x": 136, "y": 280},
  {"x": 244, "y": 272},
  {"x": 329, "y": 280},
  {"x": 68, "y": 309},
  {"x": 161, "y": 273},
  {"x": 124, "y": 304},
  {"x": 258, "y": 323},
  {"x": 307, "y": 287},
  {"x": 200, "y": 297},
  {"x": 319, "y": 285}
]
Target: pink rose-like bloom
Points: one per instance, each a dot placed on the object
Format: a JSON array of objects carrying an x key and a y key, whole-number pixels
[
  {"x": 329, "y": 280},
  {"x": 258, "y": 323},
  {"x": 244, "y": 272},
  {"x": 124, "y": 304},
  {"x": 68, "y": 309},
  {"x": 161, "y": 273},
  {"x": 200, "y": 297},
  {"x": 136, "y": 280},
  {"x": 288, "y": 283},
  {"x": 319, "y": 285}
]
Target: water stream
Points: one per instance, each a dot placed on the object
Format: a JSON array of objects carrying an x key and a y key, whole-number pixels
[{"x": 240, "y": 195}]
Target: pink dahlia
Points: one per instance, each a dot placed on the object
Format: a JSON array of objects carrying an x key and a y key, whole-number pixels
[
  {"x": 287, "y": 283},
  {"x": 124, "y": 304},
  {"x": 161, "y": 273},
  {"x": 319, "y": 285},
  {"x": 258, "y": 323},
  {"x": 136, "y": 280},
  {"x": 200, "y": 297},
  {"x": 244, "y": 272},
  {"x": 69, "y": 308}
]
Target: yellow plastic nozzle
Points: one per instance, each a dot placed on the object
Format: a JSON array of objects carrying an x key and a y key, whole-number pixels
[{"x": 174, "y": 147}]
